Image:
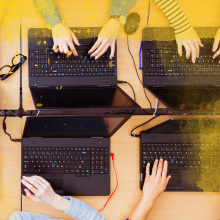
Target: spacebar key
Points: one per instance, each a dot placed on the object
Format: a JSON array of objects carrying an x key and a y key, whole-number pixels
[
  {"x": 175, "y": 167},
  {"x": 53, "y": 171}
]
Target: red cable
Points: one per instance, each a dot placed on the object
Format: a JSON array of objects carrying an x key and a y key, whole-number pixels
[{"x": 116, "y": 183}]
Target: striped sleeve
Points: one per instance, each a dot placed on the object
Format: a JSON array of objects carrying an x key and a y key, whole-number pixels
[
  {"x": 49, "y": 10},
  {"x": 175, "y": 15}
]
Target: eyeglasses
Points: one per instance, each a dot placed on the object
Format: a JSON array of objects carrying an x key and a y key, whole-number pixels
[{"x": 13, "y": 67}]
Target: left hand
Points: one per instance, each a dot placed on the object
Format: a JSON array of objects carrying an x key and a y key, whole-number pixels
[
  {"x": 216, "y": 45},
  {"x": 106, "y": 39},
  {"x": 155, "y": 183}
]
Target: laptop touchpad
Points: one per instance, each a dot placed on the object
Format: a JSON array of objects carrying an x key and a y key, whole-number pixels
[
  {"x": 57, "y": 185},
  {"x": 176, "y": 180}
]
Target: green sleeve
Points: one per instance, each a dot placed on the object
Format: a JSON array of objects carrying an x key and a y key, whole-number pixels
[
  {"x": 48, "y": 9},
  {"x": 4, "y": 5},
  {"x": 121, "y": 7}
]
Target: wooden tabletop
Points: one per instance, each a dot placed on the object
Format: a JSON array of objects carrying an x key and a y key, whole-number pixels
[
  {"x": 10, "y": 172},
  {"x": 169, "y": 206},
  {"x": 9, "y": 44}
]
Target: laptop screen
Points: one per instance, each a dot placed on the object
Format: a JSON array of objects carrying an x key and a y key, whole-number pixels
[
  {"x": 204, "y": 99},
  {"x": 66, "y": 98},
  {"x": 187, "y": 126},
  {"x": 72, "y": 127}
]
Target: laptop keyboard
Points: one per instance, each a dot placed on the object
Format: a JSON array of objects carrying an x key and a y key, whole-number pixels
[
  {"x": 179, "y": 156},
  {"x": 47, "y": 63},
  {"x": 167, "y": 62},
  {"x": 53, "y": 162}
]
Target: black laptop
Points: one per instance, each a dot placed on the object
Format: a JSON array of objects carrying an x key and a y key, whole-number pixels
[
  {"x": 183, "y": 86},
  {"x": 71, "y": 152},
  {"x": 60, "y": 82},
  {"x": 188, "y": 148}
]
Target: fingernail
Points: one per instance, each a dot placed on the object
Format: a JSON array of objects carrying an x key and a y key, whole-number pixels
[
  {"x": 96, "y": 58},
  {"x": 156, "y": 160},
  {"x": 75, "y": 55},
  {"x": 22, "y": 180},
  {"x": 148, "y": 164},
  {"x": 79, "y": 43},
  {"x": 89, "y": 53},
  {"x": 161, "y": 159},
  {"x": 169, "y": 177},
  {"x": 91, "y": 57},
  {"x": 165, "y": 161},
  {"x": 23, "y": 176}
]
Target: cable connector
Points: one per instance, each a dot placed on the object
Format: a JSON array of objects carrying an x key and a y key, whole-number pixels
[{"x": 112, "y": 155}]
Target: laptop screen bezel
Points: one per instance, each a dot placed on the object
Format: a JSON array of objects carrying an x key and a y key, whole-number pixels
[
  {"x": 148, "y": 131},
  {"x": 29, "y": 118},
  {"x": 135, "y": 105},
  {"x": 151, "y": 89}
]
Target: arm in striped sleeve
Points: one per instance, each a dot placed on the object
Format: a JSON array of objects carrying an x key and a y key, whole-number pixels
[{"x": 185, "y": 34}]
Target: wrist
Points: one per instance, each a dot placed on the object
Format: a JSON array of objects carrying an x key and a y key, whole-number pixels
[
  {"x": 60, "y": 203},
  {"x": 147, "y": 201},
  {"x": 120, "y": 18}
]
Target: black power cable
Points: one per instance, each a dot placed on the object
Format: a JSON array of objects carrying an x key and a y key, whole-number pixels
[
  {"x": 4, "y": 128},
  {"x": 134, "y": 135},
  {"x": 138, "y": 75},
  {"x": 130, "y": 86}
]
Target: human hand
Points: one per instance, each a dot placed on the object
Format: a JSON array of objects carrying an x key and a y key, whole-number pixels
[
  {"x": 106, "y": 39},
  {"x": 216, "y": 45},
  {"x": 155, "y": 183},
  {"x": 191, "y": 42},
  {"x": 63, "y": 38},
  {"x": 43, "y": 193}
]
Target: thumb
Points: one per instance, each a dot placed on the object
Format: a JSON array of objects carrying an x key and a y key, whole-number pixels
[
  {"x": 75, "y": 40},
  {"x": 167, "y": 180},
  {"x": 215, "y": 44}
]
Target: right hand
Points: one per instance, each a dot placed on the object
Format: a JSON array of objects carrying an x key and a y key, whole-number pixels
[
  {"x": 216, "y": 45},
  {"x": 155, "y": 183},
  {"x": 191, "y": 42},
  {"x": 44, "y": 193},
  {"x": 63, "y": 39}
]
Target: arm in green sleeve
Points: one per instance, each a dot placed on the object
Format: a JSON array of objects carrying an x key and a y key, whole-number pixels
[
  {"x": 4, "y": 5},
  {"x": 48, "y": 9},
  {"x": 121, "y": 7}
]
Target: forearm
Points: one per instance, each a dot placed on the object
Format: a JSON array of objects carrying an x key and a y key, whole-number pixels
[
  {"x": 4, "y": 5},
  {"x": 175, "y": 15},
  {"x": 121, "y": 7},
  {"x": 76, "y": 209},
  {"x": 142, "y": 209},
  {"x": 48, "y": 9},
  {"x": 60, "y": 203}
]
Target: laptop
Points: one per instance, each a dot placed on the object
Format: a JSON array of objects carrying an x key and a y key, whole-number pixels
[
  {"x": 60, "y": 82},
  {"x": 71, "y": 152},
  {"x": 179, "y": 84},
  {"x": 188, "y": 148}
]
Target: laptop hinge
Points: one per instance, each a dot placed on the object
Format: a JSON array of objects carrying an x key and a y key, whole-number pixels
[
  {"x": 42, "y": 86},
  {"x": 103, "y": 85},
  {"x": 35, "y": 137},
  {"x": 96, "y": 137}
]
